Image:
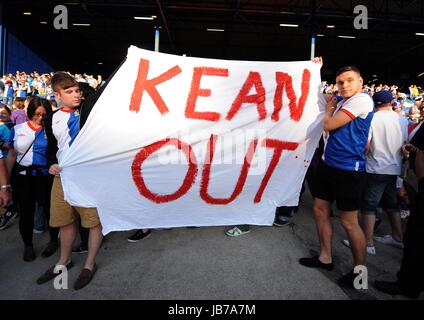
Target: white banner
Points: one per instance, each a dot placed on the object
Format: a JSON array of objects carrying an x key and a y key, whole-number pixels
[{"x": 179, "y": 141}]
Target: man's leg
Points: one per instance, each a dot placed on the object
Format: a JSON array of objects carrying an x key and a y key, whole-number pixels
[
  {"x": 368, "y": 223},
  {"x": 94, "y": 242},
  {"x": 67, "y": 238},
  {"x": 392, "y": 207},
  {"x": 410, "y": 276},
  {"x": 89, "y": 219},
  {"x": 396, "y": 223},
  {"x": 61, "y": 215},
  {"x": 349, "y": 220},
  {"x": 372, "y": 196},
  {"x": 324, "y": 228}
]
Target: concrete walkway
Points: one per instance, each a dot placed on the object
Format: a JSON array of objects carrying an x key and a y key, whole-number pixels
[{"x": 200, "y": 263}]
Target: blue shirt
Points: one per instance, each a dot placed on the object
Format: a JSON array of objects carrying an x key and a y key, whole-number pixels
[
  {"x": 4, "y": 136},
  {"x": 65, "y": 127},
  {"x": 345, "y": 148}
]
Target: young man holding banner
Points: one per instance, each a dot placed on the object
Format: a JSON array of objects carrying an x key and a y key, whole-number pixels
[
  {"x": 61, "y": 129},
  {"x": 342, "y": 170}
]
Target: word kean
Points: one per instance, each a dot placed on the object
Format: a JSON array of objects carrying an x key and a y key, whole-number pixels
[
  {"x": 283, "y": 81},
  {"x": 193, "y": 169}
]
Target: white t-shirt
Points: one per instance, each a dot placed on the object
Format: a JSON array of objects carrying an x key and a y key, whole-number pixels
[{"x": 387, "y": 134}]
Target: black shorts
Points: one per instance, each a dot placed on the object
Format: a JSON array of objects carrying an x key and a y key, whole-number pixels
[{"x": 343, "y": 186}]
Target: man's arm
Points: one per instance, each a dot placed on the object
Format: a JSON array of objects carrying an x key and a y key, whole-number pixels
[
  {"x": 10, "y": 161},
  {"x": 51, "y": 150},
  {"x": 331, "y": 121}
]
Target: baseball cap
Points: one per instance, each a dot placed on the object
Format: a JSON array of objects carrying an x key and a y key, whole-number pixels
[{"x": 383, "y": 97}]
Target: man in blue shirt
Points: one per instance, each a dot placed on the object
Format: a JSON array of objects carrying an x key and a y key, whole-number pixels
[{"x": 342, "y": 169}]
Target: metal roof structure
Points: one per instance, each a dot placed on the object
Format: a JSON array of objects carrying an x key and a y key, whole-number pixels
[{"x": 390, "y": 49}]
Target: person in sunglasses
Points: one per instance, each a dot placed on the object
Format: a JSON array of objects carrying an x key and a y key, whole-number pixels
[{"x": 31, "y": 179}]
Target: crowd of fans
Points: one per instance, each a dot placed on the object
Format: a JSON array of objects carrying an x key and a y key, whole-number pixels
[
  {"x": 16, "y": 92},
  {"x": 405, "y": 103},
  {"x": 21, "y": 85}
]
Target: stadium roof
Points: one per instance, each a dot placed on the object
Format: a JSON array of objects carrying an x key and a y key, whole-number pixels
[{"x": 391, "y": 49}]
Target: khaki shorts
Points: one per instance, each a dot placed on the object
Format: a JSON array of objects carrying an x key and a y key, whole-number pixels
[{"x": 62, "y": 213}]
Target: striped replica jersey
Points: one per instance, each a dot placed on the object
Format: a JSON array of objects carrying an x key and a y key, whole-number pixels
[
  {"x": 21, "y": 138},
  {"x": 65, "y": 128},
  {"x": 345, "y": 148}
]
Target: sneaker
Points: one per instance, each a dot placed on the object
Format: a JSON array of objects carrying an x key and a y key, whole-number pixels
[
  {"x": 315, "y": 262},
  {"x": 281, "y": 223},
  {"x": 79, "y": 249},
  {"x": 387, "y": 239},
  {"x": 236, "y": 231},
  {"x": 404, "y": 214},
  {"x": 370, "y": 249},
  {"x": 7, "y": 218},
  {"x": 29, "y": 254},
  {"x": 139, "y": 235},
  {"x": 36, "y": 231},
  {"x": 50, "y": 249}
]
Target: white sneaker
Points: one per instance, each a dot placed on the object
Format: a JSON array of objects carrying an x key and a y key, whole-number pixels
[
  {"x": 370, "y": 249},
  {"x": 404, "y": 214},
  {"x": 388, "y": 239},
  {"x": 236, "y": 231}
]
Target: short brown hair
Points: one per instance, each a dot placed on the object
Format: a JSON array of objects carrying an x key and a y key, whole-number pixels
[
  {"x": 63, "y": 80},
  {"x": 348, "y": 68}
]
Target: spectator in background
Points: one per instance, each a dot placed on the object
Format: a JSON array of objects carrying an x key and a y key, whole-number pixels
[
  {"x": 414, "y": 115},
  {"x": 410, "y": 278},
  {"x": 4, "y": 130},
  {"x": 383, "y": 166},
  {"x": 19, "y": 115},
  {"x": 397, "y": 107},
  {"x": 8, "y": 94},
  {"x": 9, "y": 213},
  {"x": 22, "y": 89},
  {"x": 100, "y": 81},
  {"x": 5, "y": 115},
  {"x": 49, "y": 92}
]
